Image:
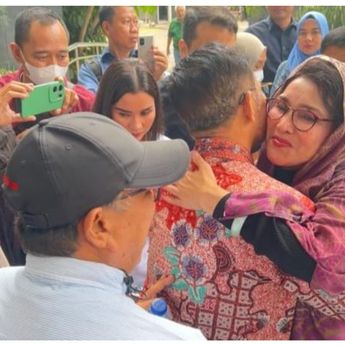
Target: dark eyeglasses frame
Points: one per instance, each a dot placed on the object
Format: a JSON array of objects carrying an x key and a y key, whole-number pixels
[
  {"x": 133, "y": 192},
  {"x": 289, "y": 108}
]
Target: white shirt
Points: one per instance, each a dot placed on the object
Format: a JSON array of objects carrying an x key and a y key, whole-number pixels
[
  {"x": 140, "y": 271},
  {"x": 58, "y": 298}
]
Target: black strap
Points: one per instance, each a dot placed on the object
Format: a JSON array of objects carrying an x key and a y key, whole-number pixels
[{"x": 272, "y": 237}]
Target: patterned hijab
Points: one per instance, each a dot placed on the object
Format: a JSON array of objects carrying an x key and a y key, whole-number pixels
[
  {"x": 296, "y": 56},
  {"x": 322, "y": 179}
]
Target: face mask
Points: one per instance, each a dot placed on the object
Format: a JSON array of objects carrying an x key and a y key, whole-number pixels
[
  {"x": 259, "y": 75},
  {"x": 41, "y": 75}
]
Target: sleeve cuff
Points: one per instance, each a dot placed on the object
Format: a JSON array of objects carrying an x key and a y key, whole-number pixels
[{"x": 218, "y": 212}]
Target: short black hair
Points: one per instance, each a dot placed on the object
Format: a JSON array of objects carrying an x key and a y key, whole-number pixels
[
  {"x": 106, "y": 14},
  {"x": 335, "y": 38},
  {"x": 43, "y": 15},
  {"x": 214, "y": 15},
  {"x": 206, "y": 86}
]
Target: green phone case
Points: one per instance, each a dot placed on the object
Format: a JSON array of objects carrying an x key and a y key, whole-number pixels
[{"x": 43, "y": 98}]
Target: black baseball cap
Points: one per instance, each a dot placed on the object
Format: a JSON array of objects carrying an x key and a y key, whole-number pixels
[{"x": 69, "y": 164}]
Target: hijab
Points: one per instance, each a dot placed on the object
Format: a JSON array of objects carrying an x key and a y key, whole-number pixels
[
  {"x": 322, "y": 179},
  {"x": 296, "y": 56}
]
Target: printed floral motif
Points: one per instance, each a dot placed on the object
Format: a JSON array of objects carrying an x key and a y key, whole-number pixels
[
  {"x": 181, "y": 234},
  {"x": 190, "y": 272},
  {"x": 208, "y": 230},
  {"x": 193, "y": 269}
]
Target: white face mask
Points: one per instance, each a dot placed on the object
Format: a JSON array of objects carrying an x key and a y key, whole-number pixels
[
  {"x": 259, "y": 75},
  {"x": 41, "y": 75}
]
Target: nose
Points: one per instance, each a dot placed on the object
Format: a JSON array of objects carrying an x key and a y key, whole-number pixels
[
  {"x": 136, "y": 123},
  {"x": 285, "y": 124},
  {"x": 309, "y": 36},
  {"x": 134, "y": 26}
]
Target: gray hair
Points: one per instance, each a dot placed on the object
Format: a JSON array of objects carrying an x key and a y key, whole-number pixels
[{"x": 205, "y": 87}]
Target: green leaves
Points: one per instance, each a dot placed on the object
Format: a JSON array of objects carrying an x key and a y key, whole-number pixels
[
  {"x": 197, "y": 294},
  {"x": 180, "y": 284},
  {"x": 172, "y": 255}
]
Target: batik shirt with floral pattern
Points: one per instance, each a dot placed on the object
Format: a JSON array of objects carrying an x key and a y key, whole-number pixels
[{"x": 221, "y": 286}]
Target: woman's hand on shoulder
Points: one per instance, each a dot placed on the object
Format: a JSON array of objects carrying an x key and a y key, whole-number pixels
[{"x": 197, "y": 190}]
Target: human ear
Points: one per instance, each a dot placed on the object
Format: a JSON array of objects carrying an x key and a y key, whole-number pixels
[
  {"x": 94, "y": 228},
  {"x": 183, "y": 48},
  {"x": 16, "y": 52},
  {"x": 249, "y": 107},
  {"x": 106, "y": 27}
]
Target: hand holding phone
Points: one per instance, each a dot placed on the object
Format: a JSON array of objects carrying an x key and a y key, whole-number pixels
[
  {"x": 43, "y": 98},
  {"x": 10, "y": 91},
  {"x": 145, "y": 50},
  {"x": 160, "y": 63}
]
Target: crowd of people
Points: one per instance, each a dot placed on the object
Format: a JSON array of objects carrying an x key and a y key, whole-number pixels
[{"x": 218, "y": 187}]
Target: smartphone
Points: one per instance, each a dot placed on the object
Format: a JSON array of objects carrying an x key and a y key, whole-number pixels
[
  {"x": 43, "y": 98},
  {"x": 145, "y": 49}
]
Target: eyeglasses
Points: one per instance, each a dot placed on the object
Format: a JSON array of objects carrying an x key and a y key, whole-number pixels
[
  {"x": 128, "y": 193},
  {"x": 302, "y": 119}
]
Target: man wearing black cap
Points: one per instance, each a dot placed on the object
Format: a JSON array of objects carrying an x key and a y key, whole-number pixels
[{"x": 84, "y": 189}]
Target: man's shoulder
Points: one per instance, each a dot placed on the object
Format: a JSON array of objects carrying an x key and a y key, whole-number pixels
[
  {"x": 174, "y": 24},
  {"x": 92, "y": 65},
  {"x": 261, "y": 27},
  {"x": 96, "y": 59},
  {"x": 81, "y": 90},
  {"x": 86, "y": 98}
]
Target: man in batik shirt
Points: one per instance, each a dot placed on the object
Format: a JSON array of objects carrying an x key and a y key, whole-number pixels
[{"x": 222, "y": 286}]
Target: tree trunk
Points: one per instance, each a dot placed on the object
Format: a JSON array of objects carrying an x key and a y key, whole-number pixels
[{"x": 83, "y": 30}]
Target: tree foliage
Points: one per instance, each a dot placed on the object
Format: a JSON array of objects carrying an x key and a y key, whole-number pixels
[
  {"x": 334, "y": 14},
  {"x": 82, "y": 23}
]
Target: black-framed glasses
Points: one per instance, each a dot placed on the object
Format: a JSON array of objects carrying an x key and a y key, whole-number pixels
[
  {"x": 302, "y": 119},
  {"x": 127, "y": 193}
]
